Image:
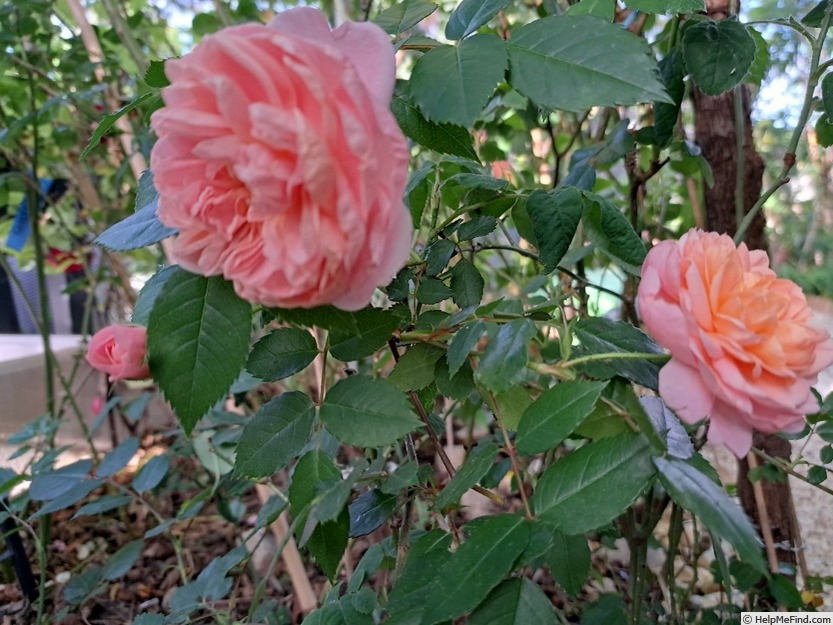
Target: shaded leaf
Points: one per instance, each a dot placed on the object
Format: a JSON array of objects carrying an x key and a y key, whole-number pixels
[
  {"x": 667, "y": 6},
  {"x": 461, "y": 345},
  {"x": 568, "y": 559},
  {"x": 470, "y": 473},
  {"x": 281, "y": 353},
  {"x": 601, "y": 336},
  {"x": 415, "y": 369},
  {"x": 151, "y": 474},
  {"x": 466, "y": 284},
  {"x": 504, "y": 360},
  {"x": 718, "y": 54},
  {"x": 694, "y": 491},
  {"x": 369, "y": 510},
  {"x": 123, "y": 560},
  {"x": 555, "y": 217},
  {"x": 471, "y": 15}
]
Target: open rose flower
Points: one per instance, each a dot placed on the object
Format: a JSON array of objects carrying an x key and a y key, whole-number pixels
[
  {"x": 744, "y": 352},
  {"x": 120, "y": 351},
  {"x": 280, "y": 162}
]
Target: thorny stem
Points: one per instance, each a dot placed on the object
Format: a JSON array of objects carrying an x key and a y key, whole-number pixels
[
  {"x": 449, "y": 467},
  {"x": 513, "y": 457},
  {"x": 787, "y": 468},
  {"x": 817, "y": 45},
  {"x": 612, "y": 356},
  {"x": 740, "y": 156}
]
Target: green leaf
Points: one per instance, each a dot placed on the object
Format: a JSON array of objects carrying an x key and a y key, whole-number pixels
[
  {"x": 438, "y": 255},
  {"x": 270, "y": 511},
  {"x": 461, "y": 345},
  {"x": 723, "y": 517},
  {"x": 556, "y": 62},
  {"x": 412, "y": 591},
  {"x": 458, "y": 387},
  {"x": 80, "y": 586},
  {"x": 452, "y": 84},
  {"x": 816, "y": 474},
  {"x": 150, "y": 291},
  {"x": 599, "y": 335},
  {"x": 51, "y": 484},
  {"x": 109, "y": 120},
  {"x": 362, "y": 333},
  {"x": 762, "y": 61},
  {"x": 611, "y": 232},
  {"x": 328, "y": 541},
  {"x": 117, "y": 459},
  {"x": 123, "y": 560},
  {"x": 477, "y": 227},
  {"x": 672, "y": 72},
  {"x": 667, "y": 6},
  {"x": 149, "y": 619},
  {"x": 816, "y": 15},
  {"x": 606, "y": 610},
  {"x": 568, "y": 559},
  {"x": 281, "y": 353},
  {"x": 555, "y": 217},
  {"x": 515, "y": 602},
  {"x": 143, "y": 227},
  {"x": 827, "y": 93},
  {"x": 504, "y": 360},
  {"x": 369, "y": 510},
  {"x": 102, "y": 504},
  {"x": 404, "y": 16},
  {"x": 415, "y": 369},
  {"x": 594, "y": 484},
  {"x": 555, "y": 414},
  {"x": 718, "y": 54},
  {"x": 432, "y": 291},
  {"x": 471, "y": 15},
  {"x": 68, "y": 498},
  {"x": 155, "y": 75},
  {"x": 442, "y": 138},
  {"x": 824, "y": 131},
  {"x": 478, "y": 565},
  {"x": 477, "y": 465},
  {"x": 198, "y": 340},
  {"x": 151, "y": 474},
  {"x": 466, "y": 284},
  {"x": 366, "y": 412},
  {"x": 274, "y": 435},
  {"x": 510, "y": 405},
  {"x": 602, "y": 9}
]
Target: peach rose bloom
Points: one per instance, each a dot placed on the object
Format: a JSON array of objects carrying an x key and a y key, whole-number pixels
[
  {"x": 120, "y": 351},
  {"x": 280, "y": 162},
  {"x": 744, "y": 352}
]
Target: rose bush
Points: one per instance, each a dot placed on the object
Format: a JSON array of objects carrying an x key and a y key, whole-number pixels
[
  {"x": 743, "y": 349},
  {"x": 280, "y": 162},
  {"x": 120, "y": 351}
]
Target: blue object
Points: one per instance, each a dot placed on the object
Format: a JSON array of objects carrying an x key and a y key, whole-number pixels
[{"x": 21, "y": 229}]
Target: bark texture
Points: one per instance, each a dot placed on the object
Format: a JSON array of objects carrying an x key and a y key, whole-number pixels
[{"x": 715, "y": 132}]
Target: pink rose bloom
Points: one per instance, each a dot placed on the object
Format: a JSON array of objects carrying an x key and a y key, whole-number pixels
[
  {"x": 280, "y": 162},
  {"x": 120, "y": 351},
  {"x": 743, "y": 349}
]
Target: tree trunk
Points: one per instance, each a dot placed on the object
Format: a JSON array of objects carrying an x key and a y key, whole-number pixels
[{"x": 715, "y": 135}]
